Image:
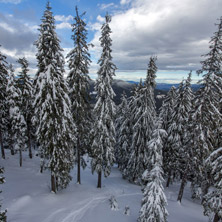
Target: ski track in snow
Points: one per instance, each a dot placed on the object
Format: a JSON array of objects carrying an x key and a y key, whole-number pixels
[
  {"x": 54, "y": 215},
  {"x": 85, "y": 205},
  {"x": 88, "y": 204}
]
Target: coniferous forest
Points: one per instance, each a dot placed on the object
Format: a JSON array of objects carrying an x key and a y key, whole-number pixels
[{"x": 51, "y": 118}]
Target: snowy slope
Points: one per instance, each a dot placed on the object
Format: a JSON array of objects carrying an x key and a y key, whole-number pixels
[{"x": 27, "y": 197}]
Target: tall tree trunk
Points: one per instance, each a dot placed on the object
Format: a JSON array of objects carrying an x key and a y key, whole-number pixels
[
  {"x": 2, "y": 146},
  {"x": 168, "y": 179},
  {"x": 216, "y": 218},
  {"x": 99, "y": 184},
  {"x": 205, "y": 187},
  {"x": 12, "y": 150},
  {"x": 53, "y": 183},
  {"x": 41, "y": 164},
  {"x": 20, "y": 157},
  {"x": 57, "y": 186},
  {"x": 182, "y": 186},
  {"x": 29, "y": 143},
  {"x": 78, "y": 163}
]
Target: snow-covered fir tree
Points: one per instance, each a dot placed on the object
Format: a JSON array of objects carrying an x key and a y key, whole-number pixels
[
  {"x": 3, "y": 217},
  {"x": 143, "y": 118},
  {"x": 3, "y": 96},
  {"x": 175, "y": 151},
  {"x": 166, "y": 110},
  {"x": 78, "y": 81},
  {"x": 104, "y": 130},
  {"x": 211, "y": 70},
  {"x": 165, "y": 115},
  {"x": 25, "y": 86},
  {"x": 174, "y": 140},
  {"x": 17, "y": 121},
  {"x": 55, "y": 126},
  {"x": 122, "y": 125},
  {"x": 154, "y": 200},
  {"x": 206, "y": 117},
  {"x": 113, "y": 203},
  {"x": 212, "y": 201},
  {"x": 185, "y": 151}
]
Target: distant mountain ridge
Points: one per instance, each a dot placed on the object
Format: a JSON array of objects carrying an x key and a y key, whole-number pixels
[
  {"x": 120, "y": 86},
  {"x": 167, "y": 86}
]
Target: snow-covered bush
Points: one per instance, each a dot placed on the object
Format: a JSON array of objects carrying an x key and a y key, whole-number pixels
[{"x": 113, "y": 203}]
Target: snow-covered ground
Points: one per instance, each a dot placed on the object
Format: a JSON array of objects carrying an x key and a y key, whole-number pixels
[{"x": 26, "y": 195}]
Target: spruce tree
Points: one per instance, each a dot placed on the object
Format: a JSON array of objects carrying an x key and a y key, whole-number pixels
[
  {"x": 104, "y": 130},
  {"x": 174, "y": 140},
  {"x": 154, "y": 201},
  {"x": 121, "y": 137},
  {"x": 212, "y": 201},
  {"x": 185, "y": 152},
  {"x": 25, "y": 86},
  {"x": 165, "y": 115},
  {"x": 78, "y": 81},
  {"x": 3, "y": 108},
  {"x": 55, "y": 127},
  {"x": 206, "y": 117},
  {"x": 17, "y": 121},
  {"x": 143, "y": 119},
  {"x": 3, "y": 217},
  {"x": 166, "y": 110}
]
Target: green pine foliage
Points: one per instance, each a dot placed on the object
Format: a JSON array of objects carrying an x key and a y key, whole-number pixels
[
  {"x": 175, "y": 149},
  {"x": 212, "y": 201},
  {"x": 143, "y": 116},
  {"x": 25, "y": 86},
  {"x": 154, "y": 200},
  {"x": 55, "y": 127},
  {"x": 78, "y": 81},
  {"x": 104, "y": 130},
  {"x": 3, "y": 106},
  {"x": 18, "y": 125},
  {"x": 123, "y": 126},
  {"x": 206, "y": 116},
  {"x": 3, "y": 217}
]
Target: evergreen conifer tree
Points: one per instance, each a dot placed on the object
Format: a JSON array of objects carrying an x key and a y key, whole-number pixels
[
  {"x": 3, "y": 217},
  {"x": 55, "y": 127},
  {"x": 166, "y": 110},
  {"x": 143, "y": 119},
  {"x": 206, "y": 117},
  {"x": 18, "y": 124},
  {"x": 104, "y": 130},
  {"x": 78, "y": 81},
  {"x": 212, "y": 201},
  {"x": 3, "y": 108},
  {"x": 174, "y": 140},
  {"x": 25, "y": 86},
  {"x": 122, "y": 142},
  {"x": 184, "y": 152},
  {"x": 154, "y": 201}
]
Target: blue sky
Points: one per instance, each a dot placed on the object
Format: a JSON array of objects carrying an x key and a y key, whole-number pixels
[{"x": 177, "y": 31}]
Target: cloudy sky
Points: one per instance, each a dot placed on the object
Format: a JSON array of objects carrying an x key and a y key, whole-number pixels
[{"x": 177, "y": 31}]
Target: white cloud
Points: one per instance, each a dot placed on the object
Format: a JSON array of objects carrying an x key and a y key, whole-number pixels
[
  {"x": 7, "y": 27},
  {"x": 64, "y": 25},
  {"x": 100, "y": 19},
  {"x": 63, "y": 18},
  {"x": 178, "y": 32},
  {"x": 124, "y": 2},
  {"x": 105, "y": 6},
  {"x": 97, "y": 25},
  {"x": 11, "y": 1}
]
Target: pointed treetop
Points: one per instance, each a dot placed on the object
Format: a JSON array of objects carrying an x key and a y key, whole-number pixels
[
  {"x": 108, "y": 18},
  {"x": 151, "y": 72},
  {"x": 48, "y": 7}
]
